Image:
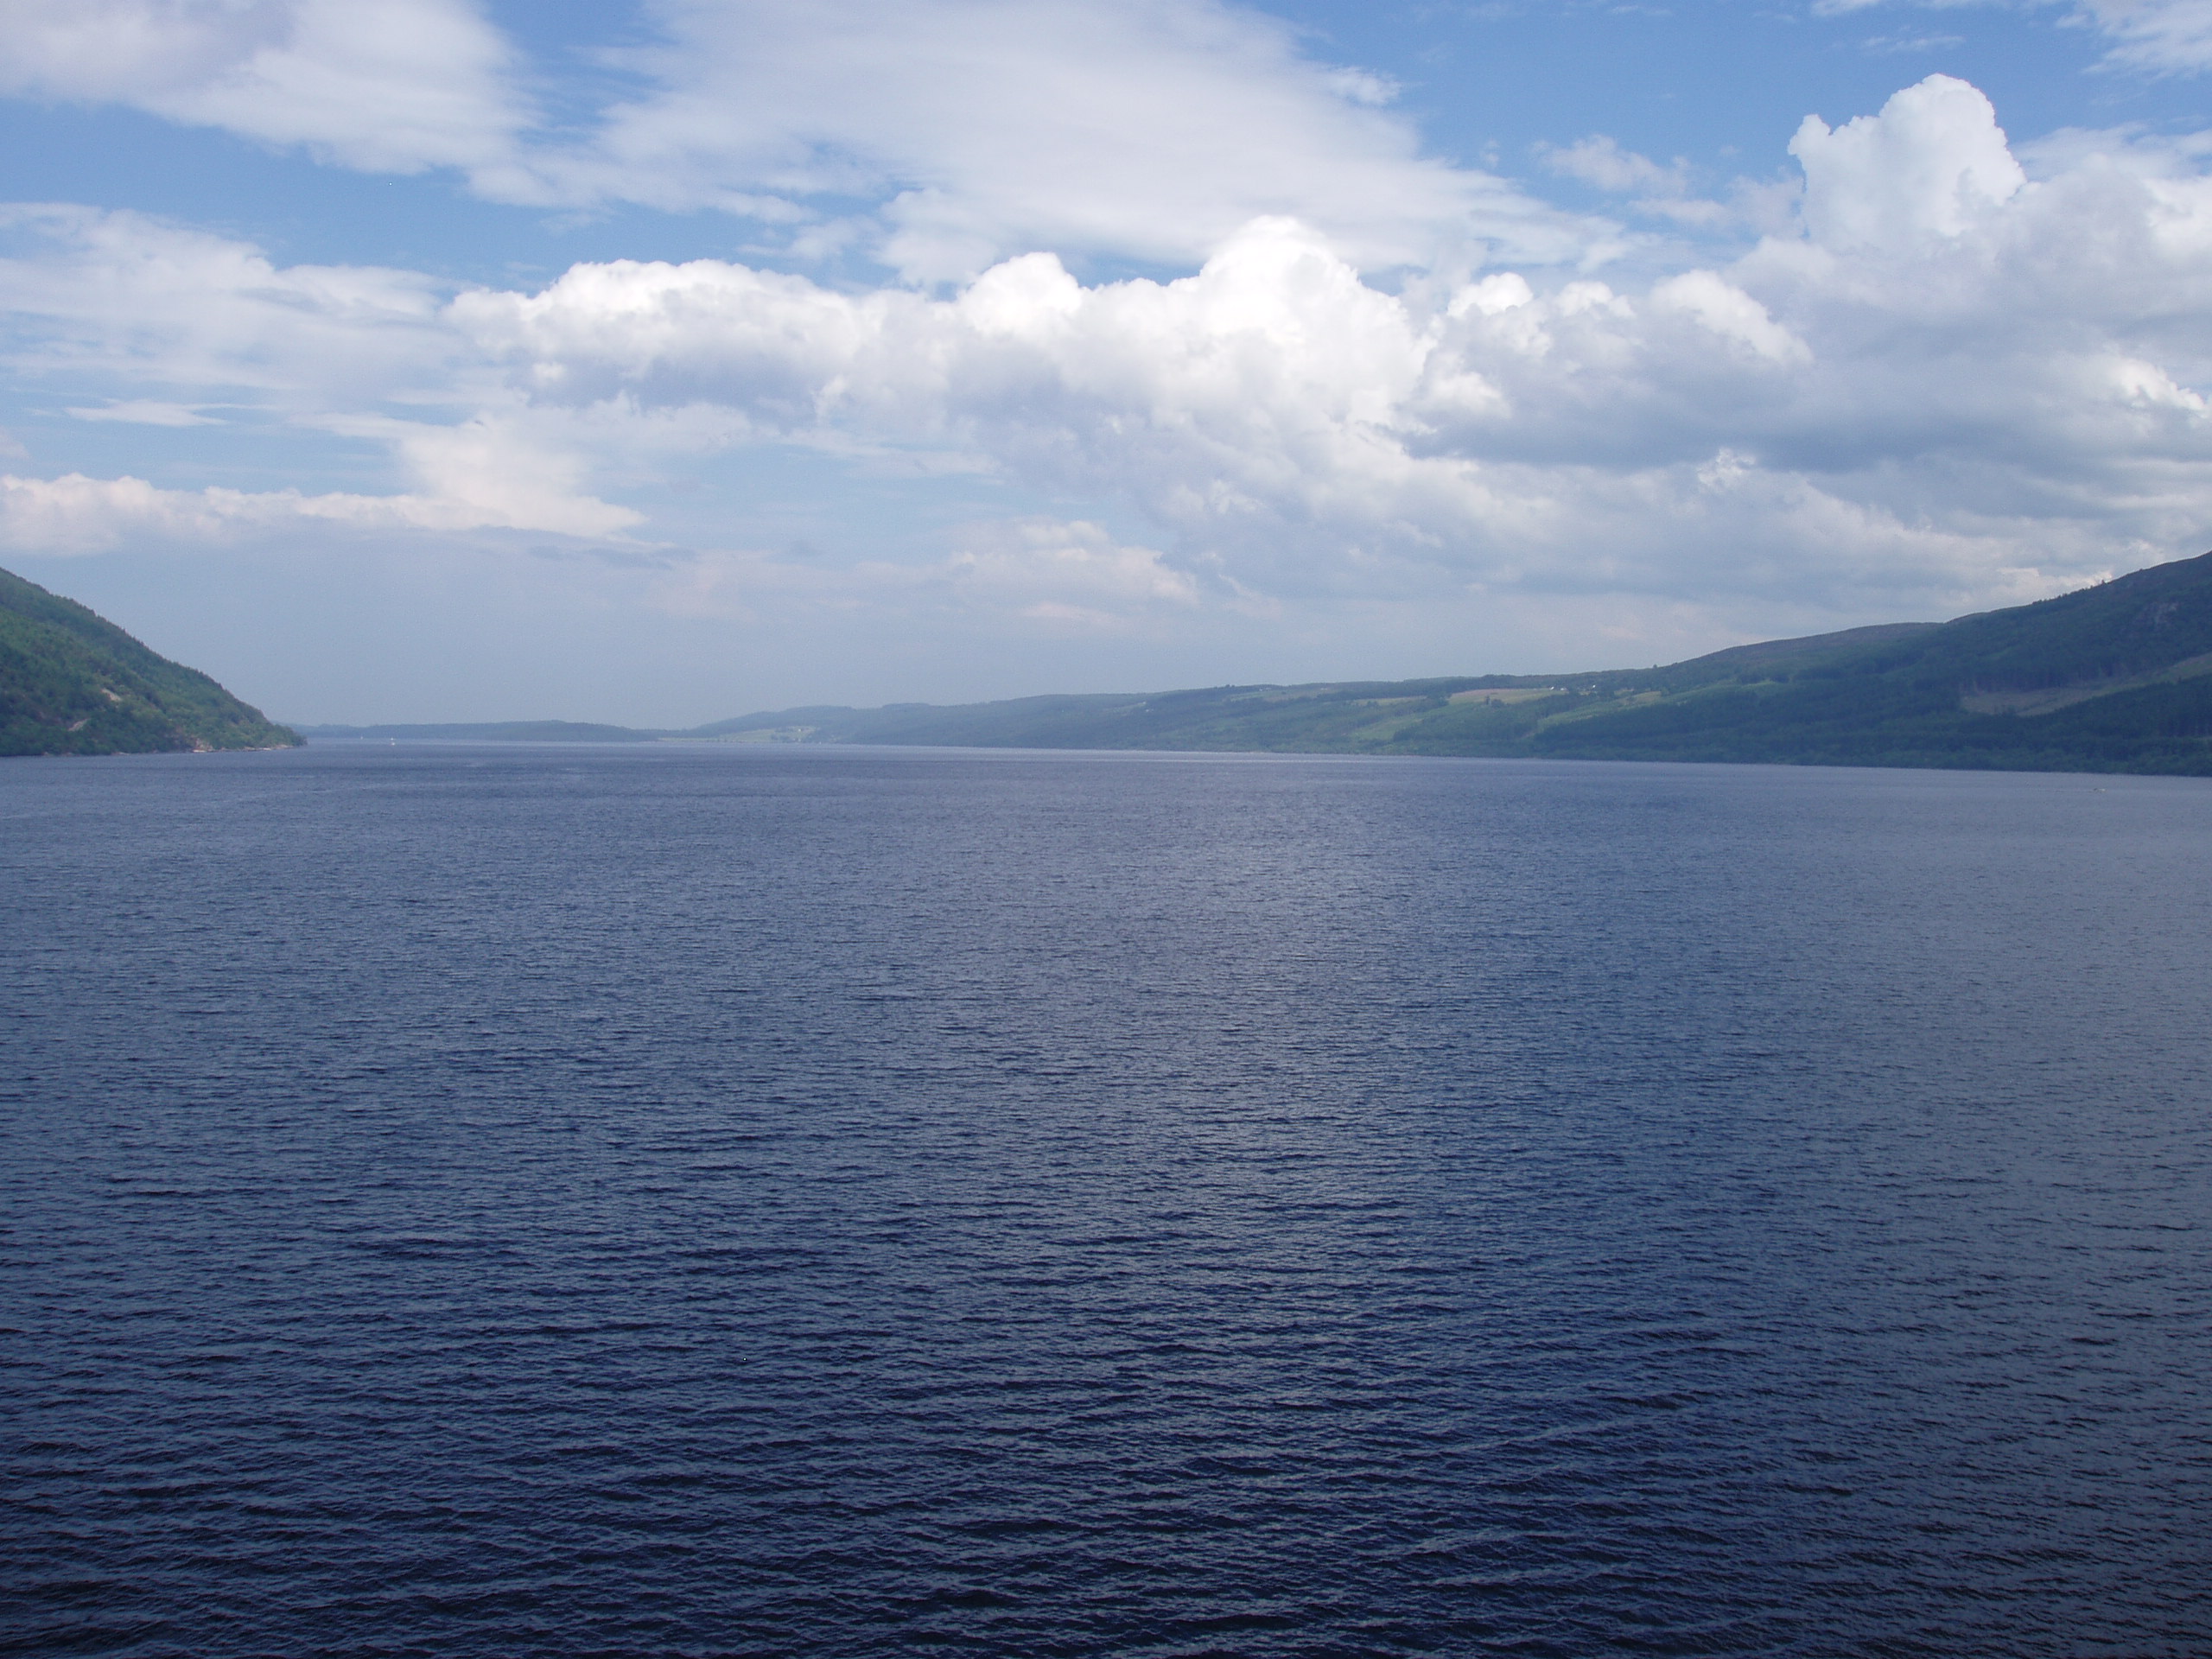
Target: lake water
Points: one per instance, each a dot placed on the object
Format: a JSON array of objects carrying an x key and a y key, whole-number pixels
[{"x": 514, "y": 1201}]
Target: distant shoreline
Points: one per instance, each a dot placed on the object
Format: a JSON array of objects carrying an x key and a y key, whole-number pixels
[{"x": 2116, "y": 678}]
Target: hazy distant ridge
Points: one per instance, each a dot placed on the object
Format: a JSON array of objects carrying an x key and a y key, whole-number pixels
[{"x": 2113, "y": 678}]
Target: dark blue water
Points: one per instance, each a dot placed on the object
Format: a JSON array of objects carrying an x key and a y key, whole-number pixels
[{"x": 514, "y": 1201}]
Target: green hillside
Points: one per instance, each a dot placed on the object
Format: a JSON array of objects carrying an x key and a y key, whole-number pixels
[
  {"x": 2113, "y": 678},
  {"x": 73, "y": 684}
]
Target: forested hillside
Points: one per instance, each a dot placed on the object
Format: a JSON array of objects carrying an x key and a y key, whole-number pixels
[{"x": 73, "y": 683}]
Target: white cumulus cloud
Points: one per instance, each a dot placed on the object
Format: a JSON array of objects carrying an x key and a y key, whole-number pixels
[
  {"x": 1949, "y": 383},
  {"x": 1932, "y": 163}
]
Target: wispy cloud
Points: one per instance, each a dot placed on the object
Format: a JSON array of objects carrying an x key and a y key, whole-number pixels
[
  {"x": 397, "y": 85},
  {"x": 75, "y": 514},
  {"x": 939, "y": 135},
  {"x": 2163, "y": 36},
  {"x": 1600, "y": 161},
  {"x": 2156, "y": 36},
  {"x": 146, "y": 412}
]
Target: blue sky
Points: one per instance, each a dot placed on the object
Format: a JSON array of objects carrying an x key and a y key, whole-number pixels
[{"x": 451, "y": 360}]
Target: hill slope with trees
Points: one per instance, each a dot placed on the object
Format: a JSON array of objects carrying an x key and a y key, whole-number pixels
[
  {"x": 73, "y": 683},
  {"x": 2116, "y": 677}
]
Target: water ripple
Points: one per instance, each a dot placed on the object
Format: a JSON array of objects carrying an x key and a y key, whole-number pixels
[{"x": 486, "y": 1202}]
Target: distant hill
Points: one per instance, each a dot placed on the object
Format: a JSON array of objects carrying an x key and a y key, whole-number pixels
[
  {"x": 2116, "y": 677},
  {"x": 493, "y": 731},
  {"x": 72, "y": 682}
]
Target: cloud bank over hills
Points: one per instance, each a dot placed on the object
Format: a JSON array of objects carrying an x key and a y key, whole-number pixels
[{"x": 1160, "y": 320}]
